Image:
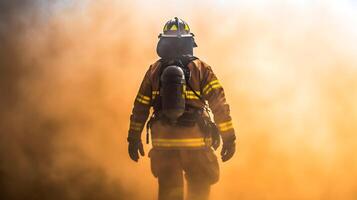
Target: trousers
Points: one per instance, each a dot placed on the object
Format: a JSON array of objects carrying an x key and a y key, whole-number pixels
[{"x": 198, "y": 166}]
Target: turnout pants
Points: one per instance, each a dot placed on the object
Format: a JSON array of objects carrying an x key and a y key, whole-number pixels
[{"x": 198, "y": 166}]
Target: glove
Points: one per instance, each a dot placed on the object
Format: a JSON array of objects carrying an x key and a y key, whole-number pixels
[
  {"x": 135, "y": 146},
  {"x": 229, "y": 148}
]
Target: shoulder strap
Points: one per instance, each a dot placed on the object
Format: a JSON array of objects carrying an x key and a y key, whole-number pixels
[
  {"x": 185, "y": 64},
  {"x": 194, "y": 92},
  {"x": 206, "y": 107}
]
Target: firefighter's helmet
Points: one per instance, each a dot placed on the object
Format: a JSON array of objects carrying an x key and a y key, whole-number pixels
[
  {"x": 176, "y": 28},
  {"x": 176, "y": 39}
]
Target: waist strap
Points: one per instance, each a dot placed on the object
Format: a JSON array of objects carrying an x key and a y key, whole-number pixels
[{"x": 188, "y": 118}]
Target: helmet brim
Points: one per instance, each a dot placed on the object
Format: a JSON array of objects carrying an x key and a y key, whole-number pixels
[
  {"x": 174, "y": 36},
  {"x": 191, "y": 35}
]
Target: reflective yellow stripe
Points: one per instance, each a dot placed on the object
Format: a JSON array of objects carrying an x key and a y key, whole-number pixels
[
  {"x": 191, "y": 95},
  {"x": 154, "y": 94},
  {"x": 179, "y": 140},
  {"x": 133, "y": 124},
  {"x": 188, "y": 94},
  {"x": 136, "y": 126},
  {"x": 191, "y": 92},
  {"x": 143, "y": 99},
  {"x": 225, "y": 123},
  {"x": 210, "y": 86},
  {"x": 225, "y": 126},
  {"x": 136, "y": 123},
  {"x": 192, "y": 142}
]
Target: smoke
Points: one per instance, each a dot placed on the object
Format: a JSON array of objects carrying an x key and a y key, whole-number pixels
[
  {"x": 69, "y": 72},
  {"x": 50, "y": 98}
]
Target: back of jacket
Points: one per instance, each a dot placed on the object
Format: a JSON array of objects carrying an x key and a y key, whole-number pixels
[{"x": 206, "y": 84}]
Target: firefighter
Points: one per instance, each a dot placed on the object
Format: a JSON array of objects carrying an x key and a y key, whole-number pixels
[{"x": 182, "y": 90}]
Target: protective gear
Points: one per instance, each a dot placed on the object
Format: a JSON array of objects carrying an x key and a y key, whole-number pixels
[
  {"x": 176, "y": 39},
  {"x": 200, "y": 167},
  {"x": 175, "y": 96},
  {"x": 185, "y": 145},
  {"x": 176, "y": 28},
  {"x": 204, "y": 82},
  {"x": 209, "y": 127},
  {"x": 229, "y": 148},
  {"x": 172, "y": 92},
  {"x": 135, "y": 146}
]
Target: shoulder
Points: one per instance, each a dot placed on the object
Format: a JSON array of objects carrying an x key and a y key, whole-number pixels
[
  {"x": 154, "y": 67},
  {"x": 155, "y": 64},
  {"x": 200, "y": 65}
]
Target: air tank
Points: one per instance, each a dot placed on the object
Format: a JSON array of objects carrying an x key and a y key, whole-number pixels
[{"x": 172, "y": 92}]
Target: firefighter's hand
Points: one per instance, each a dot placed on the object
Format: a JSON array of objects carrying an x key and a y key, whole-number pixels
[
  {"x": 135, "y": 147},
  {"x": 228, "y": 149}
]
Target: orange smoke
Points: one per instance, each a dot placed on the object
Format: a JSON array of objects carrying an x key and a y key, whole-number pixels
[{"x": 70, "y": 73}]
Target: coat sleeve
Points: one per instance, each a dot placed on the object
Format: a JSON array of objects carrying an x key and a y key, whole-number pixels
[
  {"x": 141, "y": 108},
  {"x": 213, "y": 92}
]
